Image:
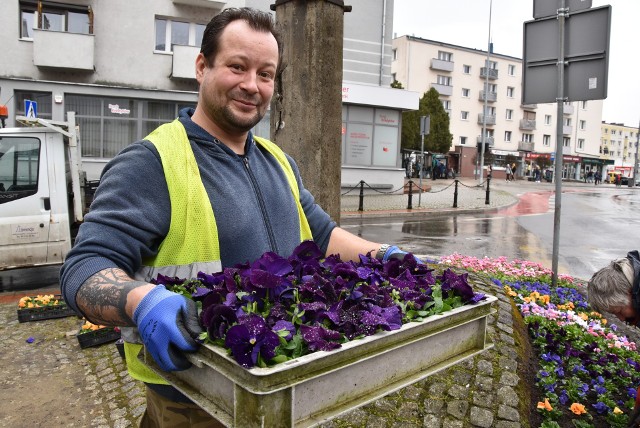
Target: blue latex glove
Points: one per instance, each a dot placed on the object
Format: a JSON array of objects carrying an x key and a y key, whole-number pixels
[
  {"x": 168, "y": 324},
  {"x": 396, "y": 253}
]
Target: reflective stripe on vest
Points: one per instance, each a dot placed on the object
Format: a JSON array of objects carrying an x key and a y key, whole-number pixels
[{"x": 192, "y": 218}]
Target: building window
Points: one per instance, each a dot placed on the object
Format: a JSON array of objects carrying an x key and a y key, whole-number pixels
[
  {"x": 547, "y": 119},
  {"x": 491, "y": 88},
  {"x": 511, "y": 69},
  {"x": 466, "y": 92},
  {"x": 566, "y": 142},
  {"x": 395, "y": 54},
  {"x": 446, "y": 104},
  {"x": 444, "y": 80},
  {"x": 583, "y": 125},
  {"x": 445, "y": 56},
  {"x": 109, "y": 124},
  {"x": 55, "y": 17},
  {"x": 371, "y": 136},
  {"x": 510, "y": 91},
  {"x": 170, "y": 32},
  {"x": 527, "y": 138},
  {"x": 463, "y": 141},
  {"x": 464, "y": 115},
  {"x": 581, "y": 143},
  {"x": 43, "y": 100},
  {"x": 466, "y": 69},
  {"x": 507, "y": 136},
  {"x": 567, "y": 121},
  {"x": 584, "y": 105},
  {"x": 509, "y": 114},
  {"x": 546, "y": 140}
]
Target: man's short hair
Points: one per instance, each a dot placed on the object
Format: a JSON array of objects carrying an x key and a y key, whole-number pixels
[
  {"x": 611, "y": 286},
  {"x": 257, "y": 20}
]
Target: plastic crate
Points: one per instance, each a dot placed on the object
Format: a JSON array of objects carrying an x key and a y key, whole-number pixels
[
  {"x": 97, "y": 337},
  {"x": 60, "y": 310}
]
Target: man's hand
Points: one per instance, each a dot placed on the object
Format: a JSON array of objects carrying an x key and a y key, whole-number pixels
[
  {"x": 396, "y": 253},
  {"x": 168, "y": 324}
]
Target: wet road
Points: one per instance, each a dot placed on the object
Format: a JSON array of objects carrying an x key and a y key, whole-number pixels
[{"x": 596, "y": 226}]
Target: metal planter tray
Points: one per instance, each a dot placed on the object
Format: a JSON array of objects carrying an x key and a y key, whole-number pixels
[{"x": 318, "y": 387}]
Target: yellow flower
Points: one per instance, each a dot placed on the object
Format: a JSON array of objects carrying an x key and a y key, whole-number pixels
[
  {"x": 617, "y": 411},
  {"x": 578, "y": 409},
  {"x": 545, "y": 405}
]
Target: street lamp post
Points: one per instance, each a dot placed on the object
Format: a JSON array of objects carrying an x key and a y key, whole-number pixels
[
  {"x": 484, "y": 108},
  {"x": 633, "y": 180}
]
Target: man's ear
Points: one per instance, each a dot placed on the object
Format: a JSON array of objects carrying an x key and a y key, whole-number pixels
[{"x": 201, "y": 64}]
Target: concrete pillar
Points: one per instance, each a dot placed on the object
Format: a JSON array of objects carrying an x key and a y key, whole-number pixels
[{"x": 306, "y": 111}]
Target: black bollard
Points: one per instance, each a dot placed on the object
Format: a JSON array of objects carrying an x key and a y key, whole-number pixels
[
  {"x": 455, "y": 195},
  {"x": 409, "y": 207},
  {"x": 360, "y": 205},
  {"x": 486, "y": 200}
]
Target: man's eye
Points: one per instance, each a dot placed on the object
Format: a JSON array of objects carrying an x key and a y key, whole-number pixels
[{"x": 266, "y": 75}]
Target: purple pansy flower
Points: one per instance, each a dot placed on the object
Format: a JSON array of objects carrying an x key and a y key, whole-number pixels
[
  {"x": 319, "y": 338},
  {"x": 251, "y": 338}
]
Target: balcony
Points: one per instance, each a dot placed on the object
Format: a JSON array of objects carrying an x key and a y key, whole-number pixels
[
  {"x": 438, "y": 64},
  {"x": 567, "y": 130},
  {"x": 184, "y": 62},
  {"x": 62, "y": 50},
  {"x": 493, "y": 73},
  {"x": 527, "y": 124},
  {"x": 525, "y": 146},
  {"x": 529, "y": 106},
  {"x": 211, "y": 4},
  {"x": 567, "y": 109},
  {"x": 490, "y": 119},
  {"x": 489, "y": 140},
  {"x": 444, "y": 90},
  {"x": 491, "y": 96}
]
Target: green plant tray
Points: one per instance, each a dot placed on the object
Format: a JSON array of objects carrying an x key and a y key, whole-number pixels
[
  {"x": 46, "y": 312},
  {"x": 98, "y": 337}
]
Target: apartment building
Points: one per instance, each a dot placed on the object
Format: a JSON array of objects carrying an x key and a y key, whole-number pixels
[
  {"x": 125, "y": 67},
  {"x": 484, "y": 92},
  {"x": 619, "y": 147}
]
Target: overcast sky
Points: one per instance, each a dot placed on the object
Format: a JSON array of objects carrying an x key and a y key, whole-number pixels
[{"x": 466, "y": 23}]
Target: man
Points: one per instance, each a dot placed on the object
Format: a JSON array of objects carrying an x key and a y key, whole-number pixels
[{"x": 198, "y": 194}]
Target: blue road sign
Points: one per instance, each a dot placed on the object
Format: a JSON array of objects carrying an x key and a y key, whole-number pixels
[{"x": 31, "y": 109}]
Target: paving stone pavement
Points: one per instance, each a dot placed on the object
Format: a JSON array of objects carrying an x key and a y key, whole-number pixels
[
  {"x": 52, "y": 382},
  {"x": 440, "y": 197}
]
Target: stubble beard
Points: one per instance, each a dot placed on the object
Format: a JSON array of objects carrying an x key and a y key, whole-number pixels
[{"x": 231, "y": 121}]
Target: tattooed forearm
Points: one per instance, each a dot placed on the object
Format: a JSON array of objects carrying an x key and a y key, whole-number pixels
[{"x": 103, "y": 297}]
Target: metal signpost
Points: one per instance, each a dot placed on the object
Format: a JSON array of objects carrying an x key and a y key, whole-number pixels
[
  {"x": 425, "y": 126},
  {"x": 567, "y": 43}
]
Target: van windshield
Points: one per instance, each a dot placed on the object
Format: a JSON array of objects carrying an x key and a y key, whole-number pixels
[{"x": 19, "y": 160}]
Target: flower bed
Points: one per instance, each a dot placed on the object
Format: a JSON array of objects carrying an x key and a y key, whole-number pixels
[
  {"x": 278, "y": 309},
  {"x": 93, "y": 335},
  {"x": 588, "y": 373},
  {"x": 42, "y": 307}
]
